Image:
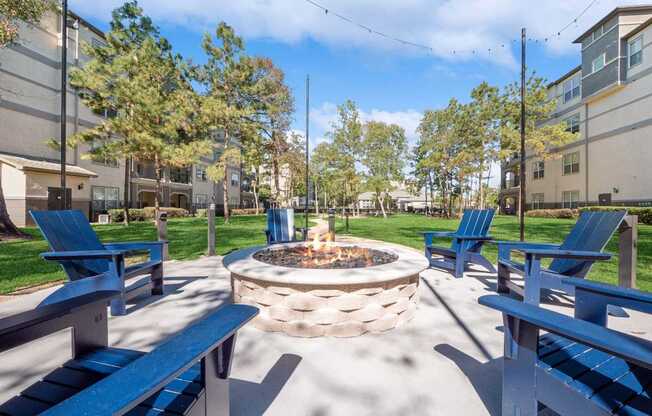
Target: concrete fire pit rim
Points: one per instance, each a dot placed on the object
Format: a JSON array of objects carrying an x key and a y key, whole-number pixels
[{"x": 409, "y": 263}]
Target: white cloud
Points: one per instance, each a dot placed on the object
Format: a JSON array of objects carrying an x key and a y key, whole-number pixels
[
  {"x": 322, "y": 118},
  {"x": 442, "y": 24}
]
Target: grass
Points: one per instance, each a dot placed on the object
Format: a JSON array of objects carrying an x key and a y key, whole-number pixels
[
  {"x": 21, "y": 266},
  {"x": 404, "y": 229}
]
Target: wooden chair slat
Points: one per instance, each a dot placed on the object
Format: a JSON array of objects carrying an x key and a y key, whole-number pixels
[
  {"x": 170, "y": 402},
  {"x": 73, "y": 378},
  {"x": 580, "y": 364},
  {"x": 615, "y": 395},
  {"x": 638, "y": 406},
  {"x": 23, "y": 406},
  {"x": 49, "y": 392},
  {"x": 565, "y": 354},
  {"x": 602, "y": 375}
]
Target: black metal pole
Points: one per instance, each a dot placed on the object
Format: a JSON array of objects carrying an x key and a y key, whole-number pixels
[
  {"x": 522, "y": 165},
  {"x": 64, "y": 92},
  {"x": 307, "y": 147}
]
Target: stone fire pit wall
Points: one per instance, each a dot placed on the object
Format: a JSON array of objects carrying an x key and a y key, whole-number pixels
[{"x": 331, "y": 302}]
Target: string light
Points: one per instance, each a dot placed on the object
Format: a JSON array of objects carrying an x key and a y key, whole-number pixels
[{"x": 372, "y": 31}]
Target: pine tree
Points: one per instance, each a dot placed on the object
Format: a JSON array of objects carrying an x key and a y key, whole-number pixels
[{"x": 147, "y": 88}]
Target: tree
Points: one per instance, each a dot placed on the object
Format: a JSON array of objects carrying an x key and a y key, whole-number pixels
[
  {"x": 383, "y": 149},
  {"x": 347, "y": 140},
  {"x": 11, "y": 13},
  {"x": 228, "y": 78},
  {"x": 147, "y": 87},
  {"x": 254, "y": 158},
  {"x": 542, "y": 138},
  {"x": 322, "y": 172},
  {"x": 14, "y": 11}
]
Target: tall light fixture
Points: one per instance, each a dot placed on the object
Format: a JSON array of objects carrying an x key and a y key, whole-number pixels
[{"x": 64, "y": 92}]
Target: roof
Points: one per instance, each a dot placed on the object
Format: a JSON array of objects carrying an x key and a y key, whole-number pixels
[
  {"x": 34, "y": 165},
  {"x": 88, "y": 24},
  {"x": 614, "y": 12},
  {"x": 565, "y": 76},
  {"x": 639, "y": 28}
]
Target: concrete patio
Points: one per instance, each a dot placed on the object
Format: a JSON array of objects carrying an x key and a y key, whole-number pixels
[{"x": 445, "y": 361}]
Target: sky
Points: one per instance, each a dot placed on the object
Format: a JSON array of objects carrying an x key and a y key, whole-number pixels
[{"x": 389, "y": 81}]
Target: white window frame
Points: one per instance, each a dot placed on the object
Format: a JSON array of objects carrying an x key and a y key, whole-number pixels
[
  {"x": 573, "y": 123},
  {"x": 200, "y": 173},
  {"x": 604, "y": 63},
  {"x": 571, "y": 163},
  {"x": 235, "y": 179},
  {"x": 570, "y": 201},
  {"x": 638, "y": 39},
  {"x": 539, "y": 170},
  {"x": 197, "y": 200},
  {"x": 598, "y": 29},
  {"x": 538, "y": 200},
  {"x": 571, "y": 88}
]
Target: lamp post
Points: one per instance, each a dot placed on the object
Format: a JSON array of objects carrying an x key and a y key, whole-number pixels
[
  {"x": 64, "y": 84},
  {"x": 307, "y": 148},
  {"x": 521, "y": 205}
]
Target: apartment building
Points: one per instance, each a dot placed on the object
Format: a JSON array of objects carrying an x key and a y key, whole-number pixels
[
  {"x": 607, "y": 102},
  {"x": 30, "y": 115}
]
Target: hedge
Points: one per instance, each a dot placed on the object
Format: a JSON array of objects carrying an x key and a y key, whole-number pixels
[
  {"x": 644, "y": 213},
  {"x": 143, "y": 214},
  {"x": 564, "y": 213}
]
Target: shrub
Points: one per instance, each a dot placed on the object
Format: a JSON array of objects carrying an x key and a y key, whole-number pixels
[
  {"x": 644, "y": 213},
  {"x": 564, "y": 213},
  {"x": 201, "y": 213},
  {"x": 142, "y": 214},
  {"x": 244, "y": 211}
]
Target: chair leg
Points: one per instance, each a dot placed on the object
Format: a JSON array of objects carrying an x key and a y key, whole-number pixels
[
  {"x": 216, "y": 369},
  {"x": 503, "y": 277},
  {"x": 157, "y": 280},
  {"x": 119, "y": 306},
  {"x": 460, "y": 259},
  {"x": 519, "y": 368}
]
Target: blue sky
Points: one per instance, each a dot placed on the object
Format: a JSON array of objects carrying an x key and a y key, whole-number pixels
[{"x": 389, "y": 81}]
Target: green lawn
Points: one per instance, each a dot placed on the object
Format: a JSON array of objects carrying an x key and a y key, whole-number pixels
[
  {"x": 20, "y": 265},
  {"x": 403, "y": 229}
]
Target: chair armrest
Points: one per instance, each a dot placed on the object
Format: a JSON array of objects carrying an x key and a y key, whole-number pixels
[
  {"x": 505, "y": 247},
  {"x": 608, "y": 290},
  {"x": 129, "y": 386},
  {"x": 81, "y": 255},
  {"x": 155, "y": 248},
  {"x": 473, "y": 237},
  {"x": 438, "y": 234},
  {"x": 52, "y": 311},
  {"x": 565, "y": 254},
  {"x": 631, "y": 349}
]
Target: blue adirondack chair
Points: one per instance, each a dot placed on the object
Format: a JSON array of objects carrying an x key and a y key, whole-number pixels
[
  {"x": 467, "y": 243},
  {"x": 577, "y": 366},
  {"x": 280, "y": 227},
  {"x": 76, "y": 247},
  {"x": 186, "y": 375},
  {"x": 573, "y": 258}
]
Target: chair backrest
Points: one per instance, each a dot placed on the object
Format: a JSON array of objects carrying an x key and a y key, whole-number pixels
[
  {"x": 476, "y": 223},
  {"x": 591, "y": 233},
  {"x": 70, "y": 231},
  {"x": 280, "y": 224}
]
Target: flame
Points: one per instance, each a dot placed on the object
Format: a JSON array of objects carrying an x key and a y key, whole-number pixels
[{"x": 316, "y": 243}]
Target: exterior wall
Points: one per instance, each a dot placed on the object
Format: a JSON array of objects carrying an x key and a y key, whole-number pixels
[{"x": 13, "y": 185}]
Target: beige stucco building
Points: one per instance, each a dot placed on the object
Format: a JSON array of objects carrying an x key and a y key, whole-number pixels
[
  {"x": 607, "y": 101},
  {"x": 30, "y": 115}
]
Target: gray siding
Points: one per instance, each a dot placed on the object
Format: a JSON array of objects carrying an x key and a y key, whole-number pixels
[{"x": 609, "y": 44}]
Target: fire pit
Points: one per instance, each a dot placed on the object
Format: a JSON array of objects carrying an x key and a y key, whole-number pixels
[{"x": 327, "y": 289}]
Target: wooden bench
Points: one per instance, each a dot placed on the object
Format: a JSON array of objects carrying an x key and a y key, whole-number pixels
[
  {"x": 80, "y": 252},
  {"x": 466, "y": 245},
  {"x": 186, "y": 375},
  {"x": 577, "y": 366}
]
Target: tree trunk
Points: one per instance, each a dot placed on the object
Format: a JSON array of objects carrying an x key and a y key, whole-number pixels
[
  {"x": 255, "y": 188},
  {"x": 225, "y": 186},
  {"x": 7, "y": 227},
  {"x": 125, "y": 201},
  {"x": 316, "y": 199},
  {"x": 381, "y": 200}
]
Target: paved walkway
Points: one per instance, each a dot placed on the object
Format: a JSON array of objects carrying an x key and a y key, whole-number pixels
[{"x": 444, "y": 362}]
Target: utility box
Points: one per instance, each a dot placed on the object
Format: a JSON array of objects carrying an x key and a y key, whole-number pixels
[{"x": 103, "y": 219}]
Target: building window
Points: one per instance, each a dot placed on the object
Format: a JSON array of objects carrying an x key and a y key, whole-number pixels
[
  {"x": 573, "y": 123},
  {"x": 200, "y": 200},
  {"x": 235, "y": 179},
  {"x": 570, "y": 199},
  {"x": 571, "y": 88},
  {"x": 105, "y": 197},
  {"x": 537, "y": 201},
  {"x": 571, "y": 163},
  {"x": 635, "y": 53},
  {"x": 598, "y": 63},
  {"x": 539, "y": 170},
  {"x": 598, "y": 32},
  {"x": 200, "y": 173}
]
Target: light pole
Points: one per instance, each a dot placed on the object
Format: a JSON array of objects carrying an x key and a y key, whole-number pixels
[
  {"x": 521, "y": 205},
  {"x": 307, "y": 148},
  {"x": 64, "y": 93}
]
